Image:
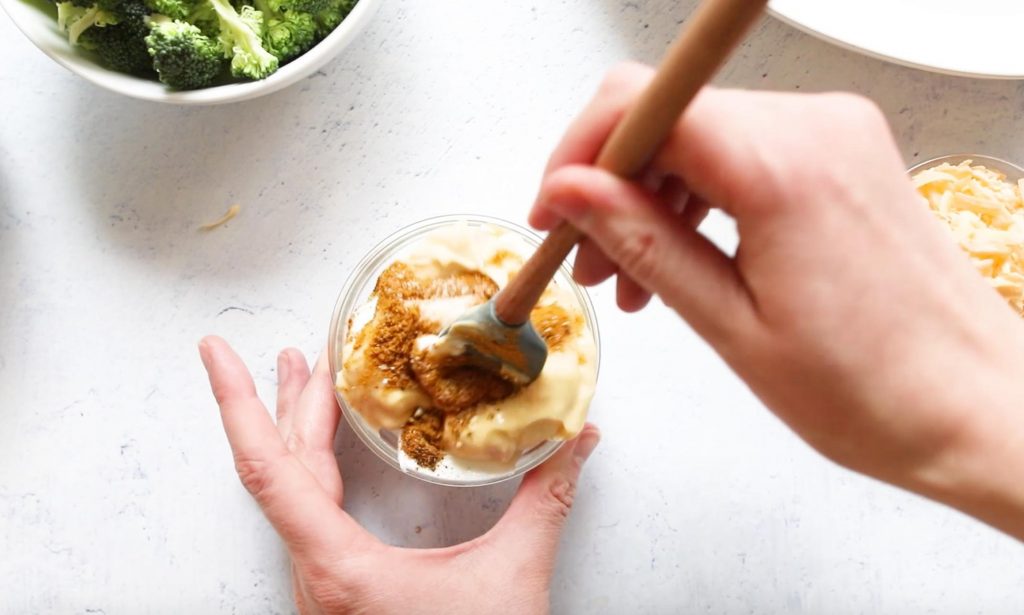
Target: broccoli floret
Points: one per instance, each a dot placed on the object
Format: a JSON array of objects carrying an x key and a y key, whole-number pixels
[
  {"x": 183, "y": 56},
  {"x": 205, "y": 18},
  {"x": 329, "y": 18},
  {"x": 77, "y": 16},
  {"x": 290, "y": 36},
  {"x": 241, "y": 39},
  {"x": 121, "y": 46},
  {"x": 75, "y": 20},
  {"x": 175, "y": 9},
  {"x": 124, "y": 9},
  {"x": 299, "y": 6},
  {"x": 286, "y": 34},
  {"x": 189, "y": 43}
]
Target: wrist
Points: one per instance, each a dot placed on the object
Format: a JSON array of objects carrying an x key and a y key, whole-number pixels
[{"x": 981, "y": 473}]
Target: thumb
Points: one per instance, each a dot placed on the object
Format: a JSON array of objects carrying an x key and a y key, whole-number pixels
[
  {"x": 657, "y": 248},
  {"x": 531, "y": 527}
]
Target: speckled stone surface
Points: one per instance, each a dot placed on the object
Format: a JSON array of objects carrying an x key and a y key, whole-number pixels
[{"x": 117, "y": 493}]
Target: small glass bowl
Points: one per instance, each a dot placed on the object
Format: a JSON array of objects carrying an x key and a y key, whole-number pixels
[
  {"x": 356, "y": 293},
  {"x": 1012, "y": 171}
]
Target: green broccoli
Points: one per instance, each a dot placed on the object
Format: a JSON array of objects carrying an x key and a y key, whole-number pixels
[
  {"x": 75, "y": 19},
  {"x": 77, "y": 16},
  {"x": 329, "y": 18},
  {"x": 205, "y": 18},
  {"x": 175, "y": 9},
  {"x": 183, "y": 56},
  {"x": 287, "y": 34},
  {"x": 299, "y": 6},
  {"x": 121, "y": 46},
  {"x": 189, "y": 43},
  {"x": 290, "y": 36},
  {"x": 241, "y": 39}
]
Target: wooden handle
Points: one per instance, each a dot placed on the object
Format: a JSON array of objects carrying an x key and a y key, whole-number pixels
[{"x": 713, "y": 30}]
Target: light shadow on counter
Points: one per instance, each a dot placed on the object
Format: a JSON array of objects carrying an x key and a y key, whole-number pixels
[
  {"x": 152, "y": 174},
  {"x": 10, "y": 272},
  {"x": 408, "y": 512}
]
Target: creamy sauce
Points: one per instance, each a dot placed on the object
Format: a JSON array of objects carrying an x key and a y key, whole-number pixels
[{"x": 553, "y": 407}]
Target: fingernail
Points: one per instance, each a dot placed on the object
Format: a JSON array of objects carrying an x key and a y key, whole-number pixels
[
  {"x": 204, "y": 352},
  {"x": 576, "y": 211},
  {"x": 586, "y": 444},
  {"x": 282, "y": 367}
]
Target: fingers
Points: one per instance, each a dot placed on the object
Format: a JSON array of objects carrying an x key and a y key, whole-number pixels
[
  {"x": 758, "y": 155},
  {"x": 292, "y": 376},
  {"x": 652, "y": 245},
  {"x": 308, "y": 416},
  {"x": 291, "y": 498},
  {"x": 695, "y": 212},
  {"x": 246, "y": 422},
  {"x": 581, "y": 145},
  {"x": 672, "y": 191},
  {"x": 746, "y": 152},
  {"x": 592, "y": 266},
  {"x": 530, "y": 529},
  {"x": 314, "y": 426},
  {"x": 630, "y": 296},
  {"x": 586, "y": 135}
]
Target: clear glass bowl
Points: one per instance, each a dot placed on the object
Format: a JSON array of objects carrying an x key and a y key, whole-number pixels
[
  {"x": 357, "y": 291},
  {"x": 1012, "y": 171}
]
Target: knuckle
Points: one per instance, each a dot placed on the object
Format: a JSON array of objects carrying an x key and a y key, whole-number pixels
[
  {"x": 220, "y": 393},
  {"x": 296, "y": 441},
  {"x": 637, "y": 254},
  {"x": 255, "y": 476},
  {"x": 559, "y": 498}
]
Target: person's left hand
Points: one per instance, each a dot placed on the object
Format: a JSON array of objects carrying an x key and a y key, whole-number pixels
[{"x": 339, "y": 567}]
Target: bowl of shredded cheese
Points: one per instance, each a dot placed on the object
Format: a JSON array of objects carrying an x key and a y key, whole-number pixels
[{"x": 980, "y": 200}]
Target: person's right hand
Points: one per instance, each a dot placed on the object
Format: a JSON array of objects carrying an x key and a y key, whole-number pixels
[{"x": 847, "y": 309}]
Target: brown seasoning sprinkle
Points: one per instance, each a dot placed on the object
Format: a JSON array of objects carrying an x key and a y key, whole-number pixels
[
  {"x": 554, "y": 324},
  {"x": 421, "y": 438},
  {"x": 454, "y": 387}
]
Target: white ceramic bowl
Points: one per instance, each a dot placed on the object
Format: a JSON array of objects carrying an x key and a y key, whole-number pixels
[{"x": 42, "y": 30}]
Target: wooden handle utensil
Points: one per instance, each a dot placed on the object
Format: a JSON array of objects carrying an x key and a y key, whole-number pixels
[{"x": 704, "y": 43}]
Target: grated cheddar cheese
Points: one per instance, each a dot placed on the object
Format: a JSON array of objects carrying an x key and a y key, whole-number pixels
[
  {"x": 221, "y": 221},
  {"x": 985, "y": 215}
]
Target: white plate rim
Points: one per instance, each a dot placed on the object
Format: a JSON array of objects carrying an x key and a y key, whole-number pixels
[{"x": 843, "y": 43}]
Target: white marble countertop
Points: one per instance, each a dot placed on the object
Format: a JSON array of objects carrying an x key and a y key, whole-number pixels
[{"x": 117, "y": 493}]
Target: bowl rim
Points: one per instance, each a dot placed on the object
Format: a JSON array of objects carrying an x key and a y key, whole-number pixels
[
  {"x": 998, "y": 164},
  {"x": 383, "y": 250},
  {"x": 149, "y": 90}
]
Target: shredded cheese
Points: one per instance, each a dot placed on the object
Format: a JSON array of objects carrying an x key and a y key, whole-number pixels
[
  {"x": 231, "y": 213},
  {"x": 985, "y": 215}
]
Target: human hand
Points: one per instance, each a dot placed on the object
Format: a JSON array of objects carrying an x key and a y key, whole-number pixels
[
  {"x": 846, "y": 308},
  {"x": 339, "y": 567}
]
